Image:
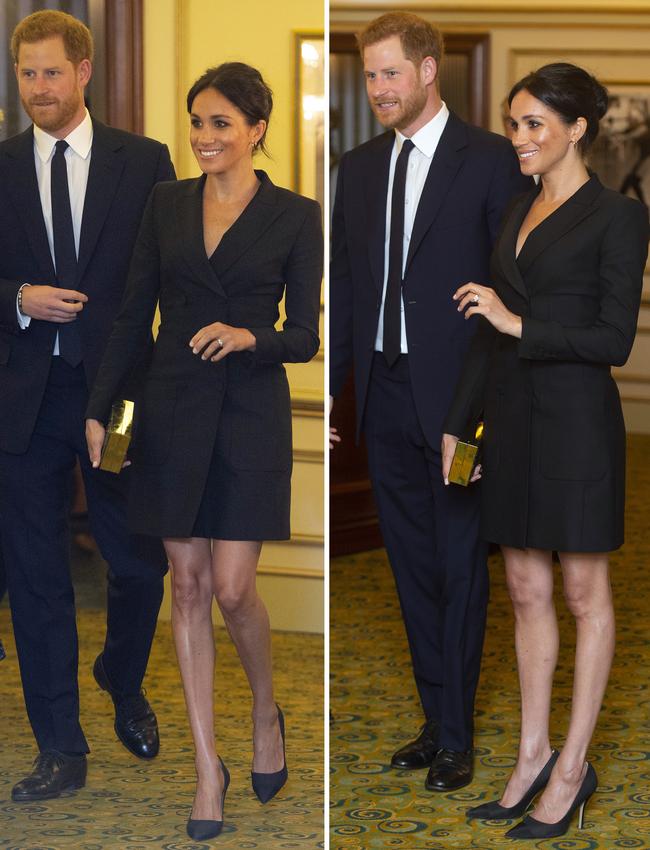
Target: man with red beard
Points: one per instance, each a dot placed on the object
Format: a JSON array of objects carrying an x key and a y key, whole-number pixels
[
  {"x": 73, "y": 194},
  {"x": 417, "y": 210}
]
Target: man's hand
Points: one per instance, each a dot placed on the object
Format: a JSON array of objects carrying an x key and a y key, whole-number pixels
[
  {"x": 52, "y": 304},
  {"x": 215, "y": 341},
  {"x": 334, "y": 435}
]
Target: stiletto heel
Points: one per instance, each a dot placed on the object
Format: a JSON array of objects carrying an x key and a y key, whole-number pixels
[
  {"x": 201, "y": 830},
  {"x": 495, "y": 811},
  {"x": 531, "y": 828},
  {"x": 581, "y": 814},
  {"x": 267, "y": 785}
]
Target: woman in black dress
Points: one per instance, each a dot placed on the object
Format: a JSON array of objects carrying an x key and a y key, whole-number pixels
[
  {"x": 567, "y": 272},
  {"x": 211, "y": 449}
]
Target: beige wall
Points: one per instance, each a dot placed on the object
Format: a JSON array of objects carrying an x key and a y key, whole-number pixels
[
  {"x": 615, "y": 45},
  {"x": 182, "y": 39}
]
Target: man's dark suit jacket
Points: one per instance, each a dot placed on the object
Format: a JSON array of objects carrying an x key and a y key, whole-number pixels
[
  {"x": 123, "y": 168},
  {"x": 473, "y": 176}
]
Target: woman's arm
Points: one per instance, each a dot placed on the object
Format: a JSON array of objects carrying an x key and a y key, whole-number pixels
[
  {"x": 609, "y": 339},
  {"x": 298, "y": 340},
  {"x": 132, "y": 328}
]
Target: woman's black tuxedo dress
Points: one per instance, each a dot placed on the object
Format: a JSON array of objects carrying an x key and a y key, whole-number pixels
[
  {"x": 554, "y": 440},
  {"x": 211, "y": 449}
]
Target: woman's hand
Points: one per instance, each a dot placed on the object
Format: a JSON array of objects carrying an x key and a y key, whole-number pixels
[
  {"x": 95, "y": 433},
  {"x": 483, "y": 301},
  {"x": 449, "y": 443},
  {"x": 448, "y": 448},
  {"x": 221, "y": 339}
]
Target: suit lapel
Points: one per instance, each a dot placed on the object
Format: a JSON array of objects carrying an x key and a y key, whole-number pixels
[
  {"x": 22, "y": 188},
  {"x": 106, "y": 166},
  {"x": 559, "y": 222},
  {"x": 447, "y": 160},
  {"x": 376, "y": 193}
]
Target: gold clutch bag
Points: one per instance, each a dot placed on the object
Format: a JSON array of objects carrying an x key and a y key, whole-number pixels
[
  {"x": 466, "y": 458},
  {"x": 118, "y": 436}
]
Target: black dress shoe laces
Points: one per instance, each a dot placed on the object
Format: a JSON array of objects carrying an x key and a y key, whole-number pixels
[
  {"x": 453, "y": 758},
  {"x": 46, "y": 761},
  {"x": 135, "y": 708}
]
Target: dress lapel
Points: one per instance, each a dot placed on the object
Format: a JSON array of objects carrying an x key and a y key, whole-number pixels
[
  {"x": 253, "y": 222},
  {"x": 106, "y": 166},
  {"x": 559, "y": 222},
  {"x": 447, "y": 160},
  {"x": 189, "y": 220},
  {"x": 376, "y": 193},
  {"x": 507, "y": 243},
  {"x": 22, "y": 188}
]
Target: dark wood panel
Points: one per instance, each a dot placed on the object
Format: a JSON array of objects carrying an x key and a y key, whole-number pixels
[
  {"x": 124, "y": 67},
  {"x": 353, "y": 515}
]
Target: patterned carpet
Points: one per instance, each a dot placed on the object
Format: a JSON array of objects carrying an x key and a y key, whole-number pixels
[
  {"x": 375, "y": 709},
  {"x": 134, "y": 805}
]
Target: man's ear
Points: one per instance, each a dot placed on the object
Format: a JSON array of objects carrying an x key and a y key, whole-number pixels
[
  {"x": 429, "y": 69},
  {"x": 84, "y": 72}
]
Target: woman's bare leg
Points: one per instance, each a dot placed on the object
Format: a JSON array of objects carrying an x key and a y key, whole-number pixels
[
  {"x": 529, "y": 574},
  {"x": 589, "y": 597},
  {"x": 234, "y": 566},
  {"x": 191, "y": 575}
]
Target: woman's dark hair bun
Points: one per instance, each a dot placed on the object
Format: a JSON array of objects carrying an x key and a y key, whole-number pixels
[{"x": 569, "y": 91}]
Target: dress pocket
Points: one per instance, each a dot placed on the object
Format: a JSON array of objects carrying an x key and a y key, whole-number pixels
[
  {"x": 261, "y": 422},
  {"x": 573, "y": 440}
]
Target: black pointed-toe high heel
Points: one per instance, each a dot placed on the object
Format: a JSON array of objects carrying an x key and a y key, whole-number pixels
[
  {"x": 201, "y": 830},
  {"x": 531, "y": 828},
  {"x": 495, "y": 811},
  {"x": 267, "y": 785}
]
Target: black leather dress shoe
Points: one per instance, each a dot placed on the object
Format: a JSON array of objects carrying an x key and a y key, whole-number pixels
[
  {"x": 135, "y": 723},
  {"x": 419, "y": 753},
  {"x": 53, "y": 773},
  {"x": 450, "y": 770}
]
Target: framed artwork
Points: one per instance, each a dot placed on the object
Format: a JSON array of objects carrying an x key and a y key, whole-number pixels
[
  {"x": 621, "y": 153},
  {"x": 309, "y": 137}
]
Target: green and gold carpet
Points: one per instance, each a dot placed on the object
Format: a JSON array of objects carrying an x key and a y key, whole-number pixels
[
  {"x": 375, "y": 709},
  {"x": 134, "y": 805}
]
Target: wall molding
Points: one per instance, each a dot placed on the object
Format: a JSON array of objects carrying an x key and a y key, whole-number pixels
[{"x": 288, "y": 572}]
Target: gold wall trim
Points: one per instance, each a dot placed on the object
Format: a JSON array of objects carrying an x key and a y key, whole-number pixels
[
  {"x": 288, "y": 572},
  {"x": 635, "y": 398},
  {"x": 306, "y": 540},
  {"x": 311, "y": 455},
  {"x": 630, "y": 377},
  {"x": 558, "y": 7},
  {"x": 310, "y": 405}
]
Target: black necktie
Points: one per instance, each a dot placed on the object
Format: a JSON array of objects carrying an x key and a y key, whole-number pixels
[
  {"x": 393, "y": 300},
  {"x": 65, "y": 255}
]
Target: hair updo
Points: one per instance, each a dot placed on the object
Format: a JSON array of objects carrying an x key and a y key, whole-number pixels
[
  {"x": 569, "y": 91},
  {"x": 244, "y": 87}
]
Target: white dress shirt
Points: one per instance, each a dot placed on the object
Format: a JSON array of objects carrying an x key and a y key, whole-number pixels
[
  {"x": 426, "y": 141},
  {"x": 77, "y": 158}
]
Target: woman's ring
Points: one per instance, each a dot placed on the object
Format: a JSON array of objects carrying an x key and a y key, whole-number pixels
[
  {"x": 220, "y": 342},
  {"x": 475, "y": 298}
]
